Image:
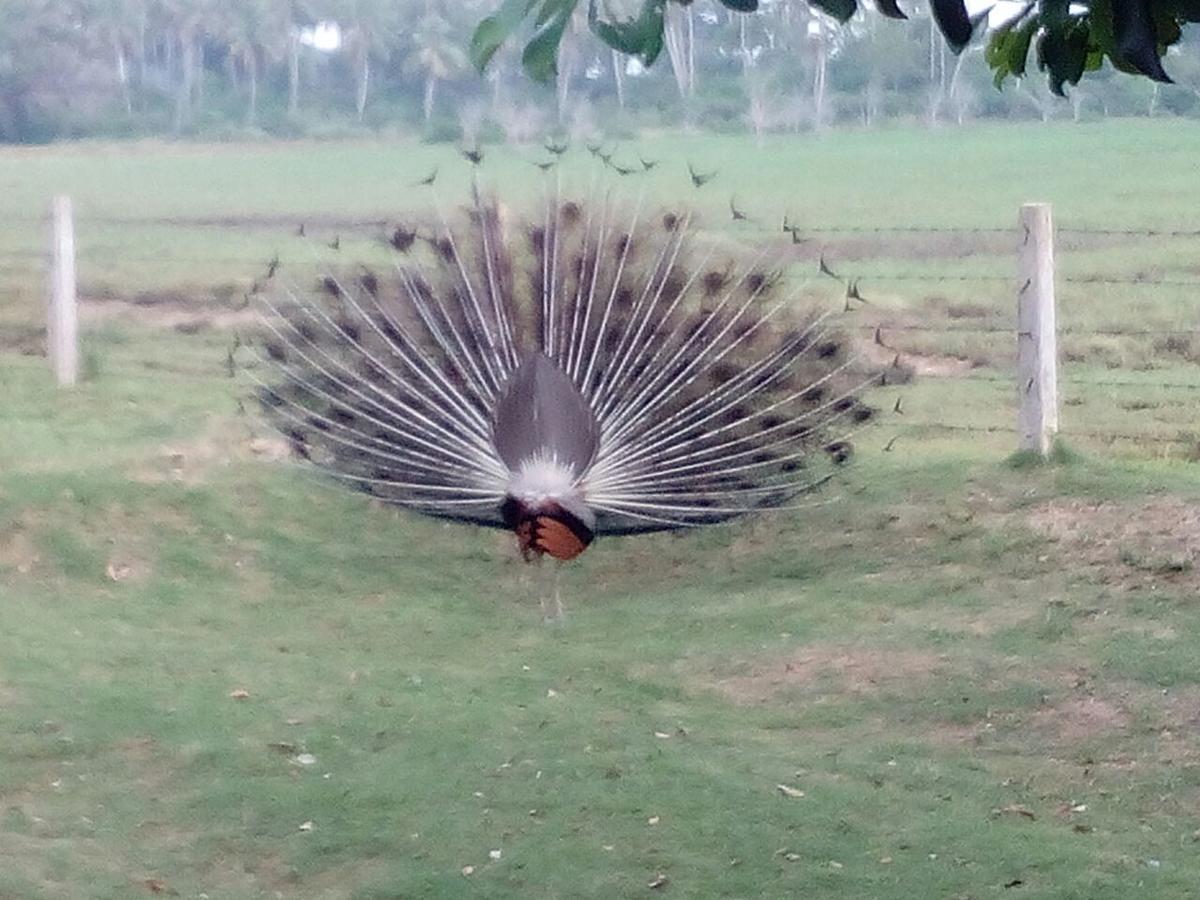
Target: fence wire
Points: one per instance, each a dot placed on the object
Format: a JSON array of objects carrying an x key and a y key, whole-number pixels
[{"x": 919, "y": 262}]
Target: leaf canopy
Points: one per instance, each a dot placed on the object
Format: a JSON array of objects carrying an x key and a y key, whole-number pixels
[{"x": 1068, "y": 38}]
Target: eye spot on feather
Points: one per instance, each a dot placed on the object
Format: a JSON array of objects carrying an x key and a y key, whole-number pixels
[
  {"x": 741, "y": 330},
  {"x": 792, "y": 465},
  {"x": 672, "y": 287},
  {"x": 298, "y": 441},
  {"x": 421, "y": 289},
  {"x": 269, "y": 398},
  {"x": 814, "y": 394},
  {"x": 840, "y": 451},
  {"x": 571, "y": 212},
  {"x": 330, "y": 286},
  {"x": 307, "y": 331},
  {"x": 770, "y": 423},
  {"x": 863, "y": 414},
  {"x": 372, "y": 372},
  {"x": 370, "y": 283},
  {"x": 670, "y": 221},
  {"x": 736, "y": 414},
  {"x": 350, "y": 329},
  {"x": 445, "y": 248},
  {"x": 621, "y": 244},
  {"x": 757, "y": 282},
  {"x": 714, "y": 281},
  {"x": 402, "y": 239},
  {"x": 797, "y": 340},
  {"x": 842, "y": 405},
  {"x": 537, "y": 238},
  {"x": 828, "y": 350},
  {"x": 721, "y": 373},
  {"x": 275, "y": 351}
]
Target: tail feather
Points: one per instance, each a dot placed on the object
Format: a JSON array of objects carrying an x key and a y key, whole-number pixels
[{"x": 711, "y": 396}]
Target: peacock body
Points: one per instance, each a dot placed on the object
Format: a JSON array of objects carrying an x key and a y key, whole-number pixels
[{"x": 589, "y": 370}]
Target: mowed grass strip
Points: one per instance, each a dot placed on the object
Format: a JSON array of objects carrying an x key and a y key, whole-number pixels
[{"x": 221, "y": 676}]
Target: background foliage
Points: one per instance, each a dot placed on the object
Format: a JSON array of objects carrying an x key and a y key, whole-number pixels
[{"x": 239, "y": 68}]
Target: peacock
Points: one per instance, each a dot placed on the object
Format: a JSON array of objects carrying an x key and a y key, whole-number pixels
[{"x": 591, "y": 368}]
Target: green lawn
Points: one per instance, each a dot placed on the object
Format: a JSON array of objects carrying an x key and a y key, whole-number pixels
[{"x": 220, "y": 677}]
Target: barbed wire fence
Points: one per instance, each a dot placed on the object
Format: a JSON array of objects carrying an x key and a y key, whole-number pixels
[{"x": 913, "y": 304}]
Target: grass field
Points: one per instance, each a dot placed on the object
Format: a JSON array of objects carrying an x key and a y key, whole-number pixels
[{"x": 972, "y": 678}]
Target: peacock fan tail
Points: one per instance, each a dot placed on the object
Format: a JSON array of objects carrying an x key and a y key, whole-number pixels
[{"x": 589, "y": 371}]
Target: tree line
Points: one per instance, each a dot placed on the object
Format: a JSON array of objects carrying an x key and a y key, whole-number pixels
[{"x": 215, "y": 68}]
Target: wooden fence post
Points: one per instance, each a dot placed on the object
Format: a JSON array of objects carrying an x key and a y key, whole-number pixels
[
  {"x": 1037, "y": 344},
  {"x": 62, "y": 325}
]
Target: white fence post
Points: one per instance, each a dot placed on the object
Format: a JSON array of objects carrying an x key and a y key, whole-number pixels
[
  {"x": 1037, "y": 344},
  {"x": 62, "y": 324}
]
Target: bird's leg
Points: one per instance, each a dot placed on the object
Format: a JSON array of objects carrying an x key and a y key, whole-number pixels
[
  {"x": 560, "y": 614},
  {"x": 548, "y": 579},
  {"x": 539, "y": 582}
]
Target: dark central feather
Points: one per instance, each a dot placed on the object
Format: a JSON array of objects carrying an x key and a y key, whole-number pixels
[{"x": 542, "y": 412}]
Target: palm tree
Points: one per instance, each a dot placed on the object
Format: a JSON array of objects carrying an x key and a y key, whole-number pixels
[
  {"x": 437, "y": 54},
  {"x": 118, "y": 24},
  {"x": 257, "y": 33},
  {"x": 369, "y": 27}
]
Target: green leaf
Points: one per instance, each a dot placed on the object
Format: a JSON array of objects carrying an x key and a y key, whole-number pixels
[
  {"x": 641, "y": 37},
  {"x": 1008, "y": 50},
  {"x": 1062, "y": 54},
  {"x": 493, "y": 31},
  {"x": 841, "y": 10},
  {"x": 540, "y": 59}
]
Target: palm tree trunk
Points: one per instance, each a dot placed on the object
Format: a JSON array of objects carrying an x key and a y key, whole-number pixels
[
  {"x": 676, "y": 51},
  {"x": 430, "y": 92},
  {"x": 364, "y": 84},
  {"x": 691, "y": 53},
  {"x": 198, "y": 78},
  {"x": 187, "y": 72},
  {"x": 618, "y": 78},
  {"x": 293, "y": 73},
  {"x": 252, "y": 78},
  {"x": 123, "y": 77},
  {"x": 819, "y": 81},
  {"x": 566, "y": 59}
]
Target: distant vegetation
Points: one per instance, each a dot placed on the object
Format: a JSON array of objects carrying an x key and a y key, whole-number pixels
[{"x": 240, "y": 68}]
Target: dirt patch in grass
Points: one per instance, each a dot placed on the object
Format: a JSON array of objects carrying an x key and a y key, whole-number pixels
[
  {"x": 1130, "y": 545},
  {"x": 192, "y": 462},
  {"x": 181, "y": 312},
  {"x": 881, "y": 351},
  {"x": 973, "y": 623},
  {"x": 8, "y": 696},
  {"x": 18, "y": 553},
  {"x": 827, "y": 669},
  {"x": 25, "y": 340},
  {"x": 1079, "y": 719}
]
